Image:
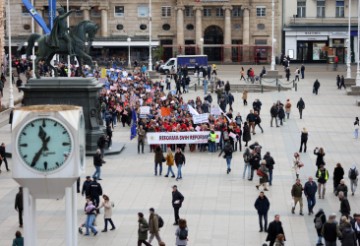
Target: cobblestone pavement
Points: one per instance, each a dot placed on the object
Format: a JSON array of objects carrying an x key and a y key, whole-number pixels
[{"x": 219, "y": 208}]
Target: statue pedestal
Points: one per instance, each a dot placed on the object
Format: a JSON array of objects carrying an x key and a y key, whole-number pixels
[{"x": 73, "y": 91}]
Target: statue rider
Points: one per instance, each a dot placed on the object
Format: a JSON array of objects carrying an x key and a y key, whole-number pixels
[{"x": 60, "y": 31}]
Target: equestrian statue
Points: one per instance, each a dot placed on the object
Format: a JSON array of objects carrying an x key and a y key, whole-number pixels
[{"x": 63, "y": 42}]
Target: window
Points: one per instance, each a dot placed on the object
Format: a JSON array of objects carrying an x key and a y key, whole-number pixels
[
  {"x": 236, "y": 11},
  {"x": 143, "y": 27},
  {"x": 260, "y": 41},
  {"x": 24, "y": 11},
  {"x": 95, "y": 12},
  {"x": 340, "y": 9},
  {"x": 119, "y": 11},
  {"x": 320, "y": 9},
  {"x": 119, "y": 27},
  {"x": 260, "y": 26},
  {"x": 189, "y": 11},
  {"x": 143, "y": 11},
  {"x": 165, "y": 11},
  {"x": 260, "y": 11},
  {"x": 190, "y": 27},
  {"x": 166, "y": 27},
  {"x": 207, "y": 12},
  {"x": 219, "y": 12},
  {"x": 301, "y": 9}
]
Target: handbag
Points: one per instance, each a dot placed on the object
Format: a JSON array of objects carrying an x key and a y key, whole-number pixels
[{"x": 260, "y": 173}]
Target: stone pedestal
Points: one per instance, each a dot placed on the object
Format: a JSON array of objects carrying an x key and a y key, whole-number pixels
[
  {"x": 272, "y": 74},
  {"x": 353, "y": 90},
  {"x": 74, "y": 91},
  {"x": 349, "y": 82}
]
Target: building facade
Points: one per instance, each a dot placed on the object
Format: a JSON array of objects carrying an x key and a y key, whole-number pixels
[
  {"x": 317, "y": 30},
  {"x": 225, "y": 30}
]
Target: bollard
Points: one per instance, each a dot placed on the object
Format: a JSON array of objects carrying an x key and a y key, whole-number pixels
[
  {"x": 195, "y": 87},
  {"x": 295, "y": 86},
  {"x": 279, "y": 88}
]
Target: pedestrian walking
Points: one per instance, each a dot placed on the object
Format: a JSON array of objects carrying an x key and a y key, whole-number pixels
[
  {"x": 250, "y": 118},
  {"x": 348, "y": 237},
  {"x": 353, "y": 176},
  {"x": 316, "y": 87},
  {"x": 107, "y": 205},
  {"x": 287, "y": 108},
  {"x": 342, "y": 82},
  {"x": 101, "y": 144},
  {"x": 330, "y": 231},
  {"x": 3, "y": 156},
  {"x": 356, "y": 128},
  {"x": 258, "y": 121},
  {"x": 338, "y": 175},
  {"x": 179, "y": 162},
  {"x": 274, "y": 114},
  {"x": 320, "y": 153},
  {"x": 95, "y": 191},
  {"x": 342, "y": 187},
  {"x": 85, "y": 187},
  {"x": 143, "y": 228},
  {"x": 19, "y": 207},
  {"x": 246, "y": 134},
  {"x": 154, "y": 227},
  {"x": 322, "y": 175},
  {"x": 310, "y": 189},
  {"x": 247, "y": 167},
  {"x": 275, "y": 228},
  {"x": 90, "y": 211},
  {"x": 303, "y": 139},
  {"x": 205, "y": 85},
  {"x": 301, "y": 106},
  {"x": 98, "y": 161},
  {"x": 296, "y": 193},
  {"x": 262, "y": 205},
  {"x": 244, "y": 97},
  {"x": 169, "y": 162},
  {"x": 344, "y": 205},
  {"x": 182, "y": 233},
  {"x": 257, "y": 105},
  {"x": 227, "y": 150},
  {"x": 319, "y": 221},
  {"x": 158, "y": 160},
  {"x": 302, "y": 70},
  {"x": 177, "y": 200},
  {"x": 270, "y": 165},
  {"x": 242, "y": 74},
  {"x": 254, "y": 162},
  {"x": 297, "y": 74},
  {"x": 297, "y": 164},
  {"x": 18, "y": 240},
  {"x": 263, "y": 173},
  {"x": 356, "y": 226},
  {"x": 141, "y": 139},
  {"x": 287, "y": 73}
]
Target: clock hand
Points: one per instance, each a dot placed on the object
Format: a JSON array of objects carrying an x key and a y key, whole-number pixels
[
  {"x": 45, "y": 143},
  {"x": 42, "y": 134},
  {"x": 36, "y": 157}
]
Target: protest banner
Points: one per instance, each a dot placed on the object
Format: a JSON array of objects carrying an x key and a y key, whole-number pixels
[
  {"x": 165, "y": 111},
  {"x": 144, "y": 110},
  {"x": 180, "y": 137},
  {"x": 215, "y": 110},
  {"x": 201, "y": 118},
  {"x": 192, "y": 110}
]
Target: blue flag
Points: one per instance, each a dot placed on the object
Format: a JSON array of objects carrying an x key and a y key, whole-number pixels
[
  {"x": 133, "y": 125},
  {"x": 36, "y": 16}
]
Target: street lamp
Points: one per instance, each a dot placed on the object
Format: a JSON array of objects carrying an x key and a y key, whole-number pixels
[
  {"x": 11, "y": 91},
  {"x": 358, "y": 49},
  {"x": 129, "y": 61},
  {"x": 150, "y": 31},
  {"x": 348, "y": 42},
  {"x": 201, "y": 46},
  {"x": 272, "y": 68}
]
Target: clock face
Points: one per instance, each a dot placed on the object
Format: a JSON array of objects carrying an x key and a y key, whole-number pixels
[{"x": 44, "y": 144}]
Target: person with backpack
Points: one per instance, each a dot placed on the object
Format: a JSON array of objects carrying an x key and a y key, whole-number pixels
[
  {"x": 177, "y": 200},
  {"x": 182, "y": 233},
  {"x": 154, "y": 225},
  {"x": 319, "y": 221},
  {"x": 353, "y": 176},
  {"x": 227, "y": 150}
]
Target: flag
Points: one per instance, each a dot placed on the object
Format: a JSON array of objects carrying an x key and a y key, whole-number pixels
[
  {"x": 165, "y": 111},
  {"x": 133, "y": 125}
]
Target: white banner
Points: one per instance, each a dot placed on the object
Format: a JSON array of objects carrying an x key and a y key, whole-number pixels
[
  {"x": 201, "y": 118},
  {"x": 180, "y": 137},
  {"x": 192, "y": 110},
  {"x": 144, "y": 110},
  {"x": 215, "y": 110}
]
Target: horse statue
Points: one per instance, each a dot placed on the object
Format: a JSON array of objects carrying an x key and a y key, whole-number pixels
[{"x": 81, "y": 37}]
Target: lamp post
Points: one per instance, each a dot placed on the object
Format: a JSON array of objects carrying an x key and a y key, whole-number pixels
[
  {"x": 272, "y": 68},
  {"x": 129, "y": 57},
  {"x": 33, "y": 49},
  {"x": 358, "y": 49},
  {"x": 150, "y": 31},
  {"x": 11, "y": 91},
  {"x": 348, "y": 42}
]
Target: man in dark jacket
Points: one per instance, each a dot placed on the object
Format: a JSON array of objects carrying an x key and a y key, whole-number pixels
[
  {"x": 316, "y": 87},
  {"x": 101, "y": 144},
  {"x": 97, "y": 159},
  {"x": 296, "y": 193},
  {"x": 257, "y": 105},
  {"x": 330, "y": 230},
  {"x": 344, "y": 204},
  {"x": 19, "y": 205},
  {"x": 301, "y": 106},
  {"x": 302, "y": 70},
  {"x": 262, "y": 206},
  {"x": 85, "y": 187},
  {"x": 254, "y": 162},
  {"x": 180, "y": 160},
  {"x": 177, "y": 200},
  {"x": 310, "y": 189},
  {"x": 95, "y": 191},
  {"x": 270, "y": 165},
  {"x": 3, "y": 156},
  {"x": 274, "y": 113},
  {"x": 275, "y": 228}
]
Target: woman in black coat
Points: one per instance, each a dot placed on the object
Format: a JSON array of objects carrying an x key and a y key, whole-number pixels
[
  {"x": 246, "y": 134},
  {"x": 338, "y": 175},
  {"x": 320, "y": 153},
  {"x": 319, "y": 220}
]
